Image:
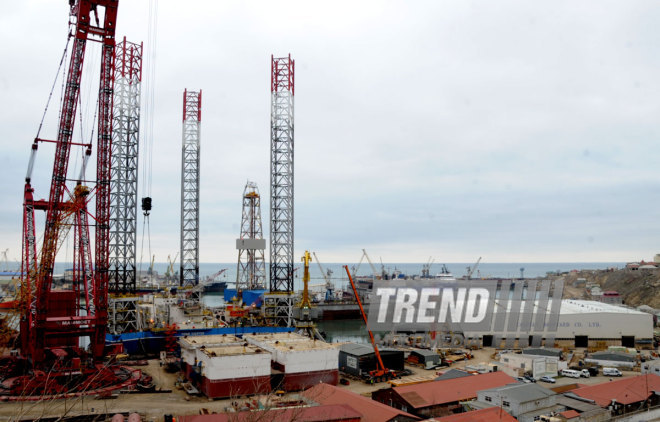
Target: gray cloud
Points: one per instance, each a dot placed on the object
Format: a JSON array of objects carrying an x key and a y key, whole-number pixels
[{"x": 510, "y": 130}]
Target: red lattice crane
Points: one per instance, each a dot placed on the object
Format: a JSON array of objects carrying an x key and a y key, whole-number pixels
[{"x": 53, "y": 321}]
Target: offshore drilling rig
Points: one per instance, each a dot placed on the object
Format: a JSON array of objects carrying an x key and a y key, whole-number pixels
[{"x": 56, "y": 322}]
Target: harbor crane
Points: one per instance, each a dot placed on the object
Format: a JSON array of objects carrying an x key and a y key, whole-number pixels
[
  {"x": 471, "y": 270},
  {"x": 329, "y": 287},
  {"x": 381, "y": 373},
  {"x": 373, "y": 268},
  {"x": 426, "y": 268}
]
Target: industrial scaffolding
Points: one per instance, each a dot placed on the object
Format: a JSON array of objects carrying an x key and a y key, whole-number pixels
[
  {"x": 251, "y": 269},
  {"x": 192, "y": 118},
  {"x": 279, "y": 303}
]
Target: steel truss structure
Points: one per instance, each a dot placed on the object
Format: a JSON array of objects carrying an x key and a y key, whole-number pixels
[
  {"x": 192, "y": 118},
  {"x": 123, "y": 315},
  {"x": 281, "y": 188},
  {"x": 251, "y": 270},
  {"x": 53, "y": 321},
  {"x": 123, "y": 185}
]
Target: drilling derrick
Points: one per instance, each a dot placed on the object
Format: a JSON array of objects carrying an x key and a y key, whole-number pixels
[
  {"x": 192, "y": 117},
  {"x": 53, "y": 322},
  {"x": 123, "y": 188},
  {"x": 279, "y": 303},
  {"x": 251, "y": 270}
]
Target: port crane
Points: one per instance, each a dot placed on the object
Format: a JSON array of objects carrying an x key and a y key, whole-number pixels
[
  {"x": 216, "y": 275},
  {"x": 426, "y": 268},
  {"x": 373, "y": 268},
  {"x": 381, "y": 373},
  {"x": 471, "y": 271},
  {"x": 329, "y": 287}
]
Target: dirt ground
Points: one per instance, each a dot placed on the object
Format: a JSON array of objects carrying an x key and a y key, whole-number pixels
[{"x": 154, "y": 406}]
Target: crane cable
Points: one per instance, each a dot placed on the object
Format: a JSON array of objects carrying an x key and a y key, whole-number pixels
[
  {"x": 57, "y": 75},
  {"x": 147, "y": 142}
]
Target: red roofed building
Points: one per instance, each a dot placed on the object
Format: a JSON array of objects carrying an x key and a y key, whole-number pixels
[
  {"x": 440, "y": 398},
  {"x": 569, "y": 414},
  {"x": 371, "y": 410},
  {"x": 625, "y": 395},
  {"x": 489, "y": 414},
  {"x": 332, "y": 413}
]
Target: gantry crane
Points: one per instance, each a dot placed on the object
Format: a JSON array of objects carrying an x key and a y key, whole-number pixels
[{"x": 381, "y": 373}]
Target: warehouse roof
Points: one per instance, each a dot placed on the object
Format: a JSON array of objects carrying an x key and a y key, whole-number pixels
[
  {"x": 357, "y": 349},
  {"x": 452, "y": 390},
  {"x": 371, "y": 410},
  {"x": 571, "y": 306},
  {"x": 523, "y": 393},
  {"x": 210, "y": 340},
  {"x": 232, "y": 351},
  {"x": 624, "y": 391},
  {"x": 453, "y": 373},
  {"x": 330, "y": 413},
  {"x": 483, "y": 415},
  {"x": 424, "y": 352},
  {"x": 542, "y": 351},
  {"x": 613, "y": 356}
]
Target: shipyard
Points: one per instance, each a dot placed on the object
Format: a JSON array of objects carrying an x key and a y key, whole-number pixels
[{"x": 466, "y": 233}]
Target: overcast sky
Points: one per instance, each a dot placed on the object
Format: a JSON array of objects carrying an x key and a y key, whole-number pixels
[{"x": 517, "y": 131}]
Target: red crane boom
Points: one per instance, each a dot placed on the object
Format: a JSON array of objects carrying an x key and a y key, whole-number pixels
[
  {"x": 381, "y": 373},
  {"x": 48, "y": 324}
]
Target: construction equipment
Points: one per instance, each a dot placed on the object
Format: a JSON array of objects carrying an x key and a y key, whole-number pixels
[
  {"x": 381, "y": 373},
  {"x": 169, "y": 274},
  {"x": 470, "y": 270},
  {"x": 216, "y": 275},
  {"x": 426, "y": 268},
  {"x": 305, "y": 313},
  {"x": 54, "y": 321}
]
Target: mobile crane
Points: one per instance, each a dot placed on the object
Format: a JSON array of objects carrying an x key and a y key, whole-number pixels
[{"x": 381, "y": 373}]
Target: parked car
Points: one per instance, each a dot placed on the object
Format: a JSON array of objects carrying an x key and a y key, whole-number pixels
[
  {"x": 584, "y": 373},
  {"x": 523, "y": 379},
  {"x": 530, "y": 378},
  {"x": 612, "y": 372},
  {"x": 546, "y": 378}
]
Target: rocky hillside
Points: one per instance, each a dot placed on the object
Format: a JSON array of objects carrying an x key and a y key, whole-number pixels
[{"x": 638, "y": 287}]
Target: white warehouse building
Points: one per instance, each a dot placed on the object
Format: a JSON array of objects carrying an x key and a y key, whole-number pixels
[{"x": 581, "y": 323}]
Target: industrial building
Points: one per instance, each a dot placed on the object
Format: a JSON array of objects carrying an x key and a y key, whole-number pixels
[
  {"x": 357, "y": 359},
  {"x": 370, "y": 410},
  {"x": 581, "y": 323},
  {"x": 298, "y": 362},
  {"x": 622, "y": 396},
  {"x": 517, "y": 365},
  {"x": 525, "y": 402},
  {"x": 439, "y": 398}
]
